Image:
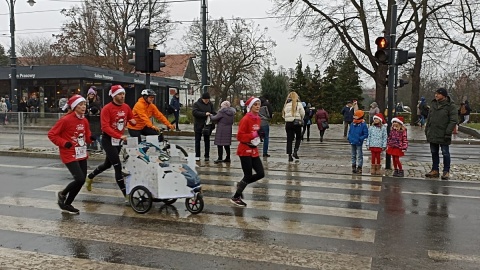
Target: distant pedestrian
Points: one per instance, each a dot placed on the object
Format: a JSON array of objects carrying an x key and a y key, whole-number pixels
[
  {"x": 357, "y": 133},
  {"x": 71, "y": 134},
  {"x": 397, "y": 144},
  {"x": 94, "y": 106},
  {"x": 202, "y": 109},
  {"x": 441, "y": 121},
  {"x": 34, "y": 107},
  {"x": 175, "y": 106},
  {"x": 293, "y": 114},
  {"x": 22, "y": 108},
  {"x": 61, "y": 103},
  {"x": 307, "y": 120},
  {"x": 247, "y": 150},
  {"x": 223, "y": 136},
  {"x": 321, "y": 118},
  {"x": 9, "y": 104},
  {"x": 3, "y": 111},
  {"x": 347, "y": 113},
  {"x": 377, "y": 142},
  {"x": 266, "y": 114},
  {"x": 372, "y": 112},
  {"x": 465, "y": 112},
  {"x": 422, "y": 111}
]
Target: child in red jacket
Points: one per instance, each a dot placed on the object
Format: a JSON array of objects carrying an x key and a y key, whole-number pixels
[
  {"x": 397, "y": 144},
  {"x": 71, "y": 134},
  {"x": 247, "y": 150}
]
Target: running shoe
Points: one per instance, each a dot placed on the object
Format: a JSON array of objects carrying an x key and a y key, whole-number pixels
[
  {"x": 238, "y": 202},
  {"x": 61, "y": 199},
  {"x": 89, "y": 182},
  {"x": 70, "y": 209}
]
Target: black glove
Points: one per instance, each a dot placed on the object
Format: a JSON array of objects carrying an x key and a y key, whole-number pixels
[
  {"x": 448, "y": 139},
  {"x": 68, "y": 144},
  {"x": 93, "y": 138}
]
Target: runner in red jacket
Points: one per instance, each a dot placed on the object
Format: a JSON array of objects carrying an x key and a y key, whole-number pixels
[
  {"x": 71, "y": 134},
  {"x": 249, "y": 138},
  {"x": 114, "y": 117}
]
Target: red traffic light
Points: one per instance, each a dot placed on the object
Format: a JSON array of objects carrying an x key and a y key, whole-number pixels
[{"x": 381, "y": 42}]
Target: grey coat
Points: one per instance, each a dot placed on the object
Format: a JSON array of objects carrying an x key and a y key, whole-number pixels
[{"x": 224, "y": 119}]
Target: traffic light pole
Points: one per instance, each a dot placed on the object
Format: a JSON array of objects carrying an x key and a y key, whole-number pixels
[
  {"x": 391, "y": 77},
  {"x": 204, "y": 46}
]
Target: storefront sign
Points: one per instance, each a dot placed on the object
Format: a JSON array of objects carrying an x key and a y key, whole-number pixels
[
  {"x": 103, "y": 77},
  {"x": 154, "y": 83},
  {"x": 138, "y": 81},
  {"x": 23, "y": 76}
]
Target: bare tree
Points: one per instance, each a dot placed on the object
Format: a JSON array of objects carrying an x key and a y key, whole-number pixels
[
  {"x": 237, "y": 53},
  {"x": 96, "y": 31},
  {"x": 38, "y": 51}
]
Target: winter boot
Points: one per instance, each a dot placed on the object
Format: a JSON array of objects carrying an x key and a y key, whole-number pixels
[
  {"x": 290, "y": 158},
  {"x": 400, "y": 173},
  {"x": 373, "y": 170},
  {"x": 359, "y": 170},
  {"x": 354, "y": 168},
  {"x": 432, "y": 174},
  {"x": 379, "y": 170},
  {"x": 395, "y": 173},
  {"x": 295, "y": 155}
]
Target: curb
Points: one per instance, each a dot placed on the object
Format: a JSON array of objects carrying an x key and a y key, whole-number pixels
[{"x": 470, "y": 131}]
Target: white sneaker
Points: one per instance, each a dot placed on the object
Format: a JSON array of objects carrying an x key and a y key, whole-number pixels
[{"x": 197, "y": 158}]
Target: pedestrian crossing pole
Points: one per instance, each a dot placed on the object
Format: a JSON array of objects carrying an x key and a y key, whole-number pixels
[{"x": 391, "y": 76}]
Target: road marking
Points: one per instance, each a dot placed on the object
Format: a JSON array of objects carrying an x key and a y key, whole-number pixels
[
  {"x": 444, "y": 256},
  {"x": 20, "y": 259},
  {"x": 281, "y": 192},
  {"x": 259, "y": 205},
  {"x": 296, "y": 174},
  {"x": 300, "y": 183},
  {"x": 440, "y": 195},
  {"x": 183, "y": 243},
  {"x": 243, "y": 223}
]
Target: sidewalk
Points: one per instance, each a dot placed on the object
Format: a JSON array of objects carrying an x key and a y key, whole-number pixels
[{"x": 332, "y": 156}]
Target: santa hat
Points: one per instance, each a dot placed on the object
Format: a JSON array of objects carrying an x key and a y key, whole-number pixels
[
  {"x": 380, "y": 117},
  {"x": 115, "y": 90},
  {"x": 73, "y": 102},
  {"x": 250, "y": 102},
  {"x": 398, "y": 119}
]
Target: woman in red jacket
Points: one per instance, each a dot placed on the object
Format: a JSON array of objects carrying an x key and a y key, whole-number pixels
[
  {"x": 72, "y": 134},
  {"x": 247, "y": 150}
]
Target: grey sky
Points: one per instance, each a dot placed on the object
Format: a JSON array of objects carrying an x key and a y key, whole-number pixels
[{"x": 44, "y": 19}]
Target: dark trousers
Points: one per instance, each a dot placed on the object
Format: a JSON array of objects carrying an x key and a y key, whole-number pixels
[
  {"x": 435, "y": 150},
  {"x": 248, "y": 163},
  {"x": 307, "y": 129},
  {"x": 346, "y": 124},
  {"x": 206, "y": 140},
  {"x": 145, "y": 131},
  {"x": 112, "y": 159},
  {"x": 78, "y": 169},
  {"x": 293, "y": 132},
  {"x": 220, "y": 151},
  {"x": 176, "y": 114}
]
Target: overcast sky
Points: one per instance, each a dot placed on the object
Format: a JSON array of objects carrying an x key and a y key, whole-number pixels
[{"x": 44, "y": 19}]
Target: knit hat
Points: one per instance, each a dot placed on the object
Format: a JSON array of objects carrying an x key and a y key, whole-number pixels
[
  {"x": 73, "y": 102},
  {"x": 398, "y": 119},
  {"x": 225, "y": 104},
  {"x": 115, "y": 90},
  {"x": 442, "y": 91},
  {"x": 250, "y": 102},
  {"x": 206, "y": 95},
  {"x": 91, "y": 91},
  {"x": 380, "y": 117},
  {"x": 359, "y": 114}
]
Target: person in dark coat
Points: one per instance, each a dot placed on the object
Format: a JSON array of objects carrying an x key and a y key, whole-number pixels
[
  {"x": 442, "y": 119},
  {"x": 92, "y": 113},
  {"x": 321, "y": 116},
  {"x": 307, "y": 120},
  {"x": 223, "y": 136},
  {"x": 175, "y": 106},
  {"x": 347, "y": 113},
  {"x": 202, "y": 109},
  {"x": 266, "y": 114},
  {"x": 22, "y": 107}
]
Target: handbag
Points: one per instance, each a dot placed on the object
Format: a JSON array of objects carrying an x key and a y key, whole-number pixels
[
  {"x": 298, "y": 122},
  {"x": 325, "y": 125}
]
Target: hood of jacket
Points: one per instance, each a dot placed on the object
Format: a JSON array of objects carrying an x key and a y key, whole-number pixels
[{"x": 228, "y": 111}]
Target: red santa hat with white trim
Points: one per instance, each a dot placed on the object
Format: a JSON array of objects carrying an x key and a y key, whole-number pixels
[
  {"x": 249, "y": 103},
  {"x": 73, "y": 102},
  {"x": 380, "y": 117},
  {"x": 398, "y": 119},
  {"x": 115, "y": 90}
]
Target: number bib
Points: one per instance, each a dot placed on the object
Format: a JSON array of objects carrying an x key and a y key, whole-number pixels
[
  {"x": 80, "y": 152},
  {"x": 115, "y": 142}
]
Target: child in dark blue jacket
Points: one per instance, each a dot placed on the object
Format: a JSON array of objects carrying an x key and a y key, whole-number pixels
[{"x": 357, "y": 133}]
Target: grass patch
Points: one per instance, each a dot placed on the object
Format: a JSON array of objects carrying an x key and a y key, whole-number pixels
[{"x": 474, "y": 125}]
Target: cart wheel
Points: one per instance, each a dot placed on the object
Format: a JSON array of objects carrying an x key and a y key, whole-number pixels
[
  {"x": 184, "y": 153},
  {"x": 169, "y": 201},
  {"x": 195, "y": 204},
  {"x": 141, "y": 199}
]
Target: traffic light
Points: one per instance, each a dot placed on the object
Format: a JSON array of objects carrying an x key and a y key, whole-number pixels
[
  {"x": 382, "y": 54},
  {"x": 140, "y": 49},
  {"x": 403, "y": 56},
  {"x": 155, "y": 63}
]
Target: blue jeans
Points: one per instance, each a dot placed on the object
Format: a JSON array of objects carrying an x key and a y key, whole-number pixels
[
  {"x": 266, "y": 139},
  {"x": 434, "y": 149},
  {"x": 357, "y": 155}
]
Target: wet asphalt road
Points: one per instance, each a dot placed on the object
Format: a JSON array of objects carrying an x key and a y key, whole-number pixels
[{"x": 294, "y": 220}]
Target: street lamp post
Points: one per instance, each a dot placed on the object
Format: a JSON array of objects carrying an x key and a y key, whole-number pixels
[{"x": 13, "y": 56}]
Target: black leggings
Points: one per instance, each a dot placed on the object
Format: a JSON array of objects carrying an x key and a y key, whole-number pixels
[
  {"x": 78, "y": 169},
  {"x": 111, "y": 159},
  {"x": 293, "y": 132},
  {"x": 306, "y": 128},
  {"x": 248, "y": 163},
  {"x": 220, "y": 151},
  {"x": 145, "y": 131}
]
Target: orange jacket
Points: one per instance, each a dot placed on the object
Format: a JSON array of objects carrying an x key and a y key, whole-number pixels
[{"x": 143, "y": 111}]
